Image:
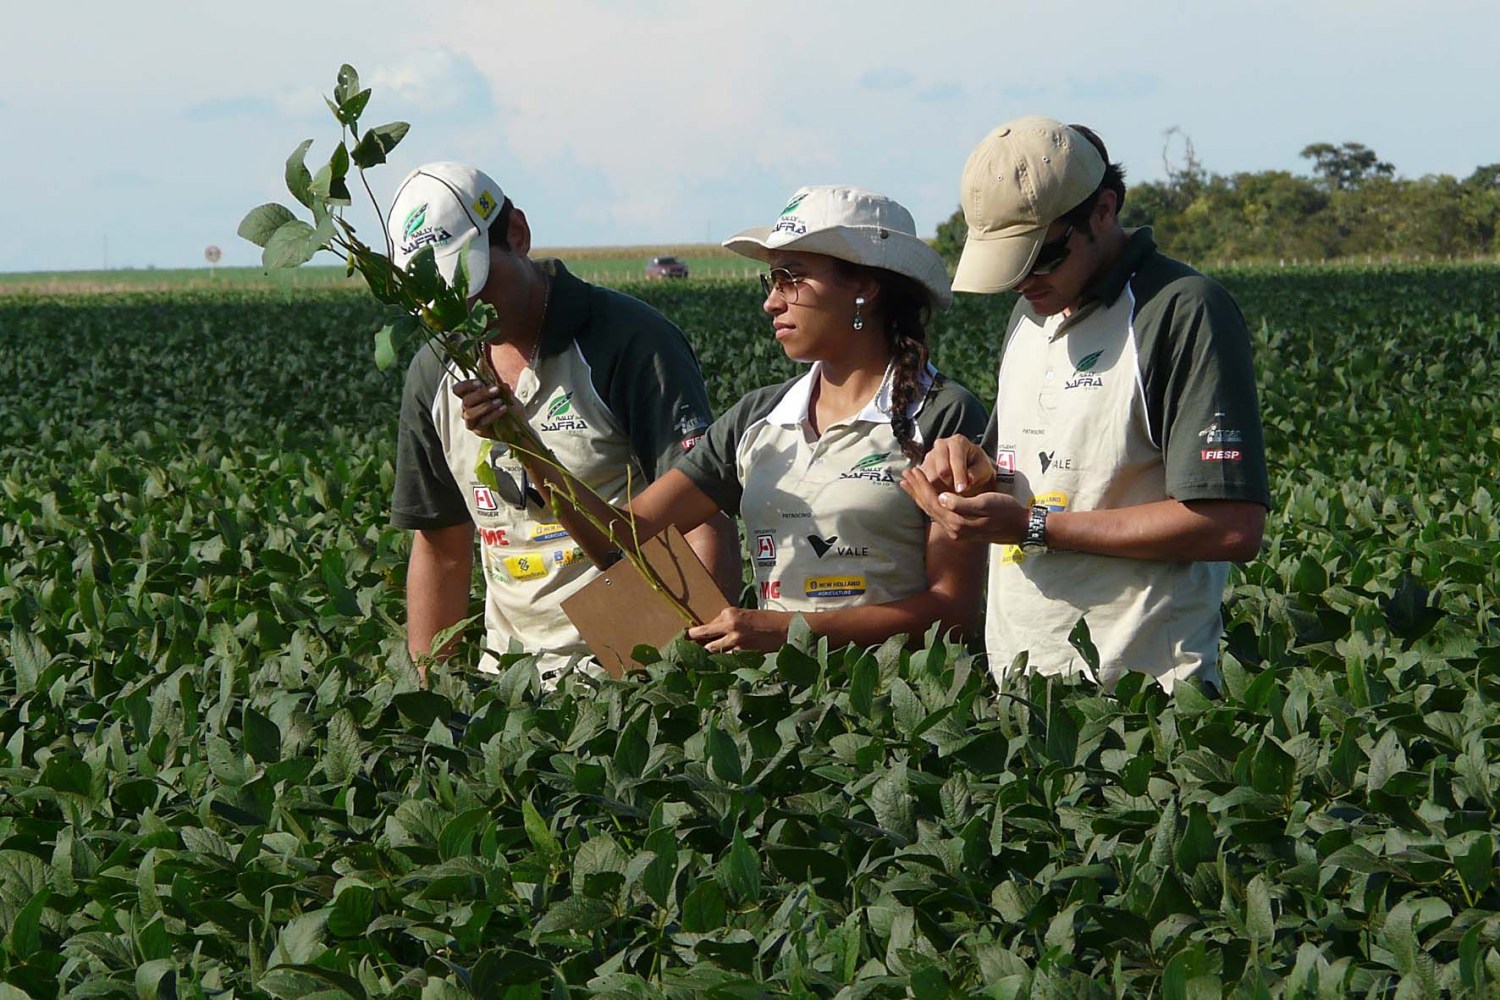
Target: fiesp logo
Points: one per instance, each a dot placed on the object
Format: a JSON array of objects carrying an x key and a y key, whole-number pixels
[{"x": 560, "y": 415}]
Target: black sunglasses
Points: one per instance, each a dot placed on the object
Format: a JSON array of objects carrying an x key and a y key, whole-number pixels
[{"x": 1052, "y": 254}]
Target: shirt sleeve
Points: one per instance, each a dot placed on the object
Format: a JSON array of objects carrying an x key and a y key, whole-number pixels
[
  {"x": 656, "y": 391},
  {"x": 425, "y": 494},
  {"x": 1201, "y": 396},
  {"x": 951, "y": 410},
  {"x": 713, "y": 465}
]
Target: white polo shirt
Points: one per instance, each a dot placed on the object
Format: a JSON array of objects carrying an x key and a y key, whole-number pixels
[{"x": 826, "y": 521}]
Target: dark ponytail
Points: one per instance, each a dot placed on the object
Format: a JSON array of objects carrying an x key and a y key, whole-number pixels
[{"x": 903, "y": 304}]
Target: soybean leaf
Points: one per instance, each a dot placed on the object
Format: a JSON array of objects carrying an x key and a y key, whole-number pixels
[
  {"x": 261, "y": 222},
  {"x": 298, "y": 177},
  {"x": 377, "y": 143}
]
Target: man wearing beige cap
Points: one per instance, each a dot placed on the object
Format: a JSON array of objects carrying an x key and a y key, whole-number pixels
[
  {"x": 608, "y": 384},
  {"x": 1123, "y": 468}
]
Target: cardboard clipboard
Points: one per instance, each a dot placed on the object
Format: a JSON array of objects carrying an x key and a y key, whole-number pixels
[{"x": 620, "y": 610}]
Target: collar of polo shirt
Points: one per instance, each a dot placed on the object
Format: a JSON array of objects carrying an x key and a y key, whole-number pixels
[{"x": 792, "y": 408}]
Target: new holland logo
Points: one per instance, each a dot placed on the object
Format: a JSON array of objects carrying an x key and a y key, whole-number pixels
[
  {"x": 833, "y": 586},
  {"x": 870, "y": 467},
  {"x": 414, "y": 220},
  {"x": 560, "y": 415},
  {"x": 1083, "y": 373}
]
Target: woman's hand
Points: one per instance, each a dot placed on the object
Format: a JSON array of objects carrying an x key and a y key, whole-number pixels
[{"x": 742, "y": 628}]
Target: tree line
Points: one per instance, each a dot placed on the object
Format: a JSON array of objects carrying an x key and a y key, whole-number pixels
[{"x": 1351, "y": 205}]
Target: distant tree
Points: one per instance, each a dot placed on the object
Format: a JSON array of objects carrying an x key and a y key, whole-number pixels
[
  {"x": 950, "y": 237},
  {"x": 1347, "y": 165}
]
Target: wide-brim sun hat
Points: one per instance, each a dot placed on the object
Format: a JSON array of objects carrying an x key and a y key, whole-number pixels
[
  {"x": 1020, "y": 179},
  {"x": 853, "y": 225},
  {"x": 449, "y": 207}
]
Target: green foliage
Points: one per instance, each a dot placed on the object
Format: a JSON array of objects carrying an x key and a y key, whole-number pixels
[
  {"x": 218, "y": 774},
  {"x": 1354, "y": 207}
]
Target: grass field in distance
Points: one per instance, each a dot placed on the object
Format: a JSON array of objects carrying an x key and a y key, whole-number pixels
[{"x": 601, "y": 265}]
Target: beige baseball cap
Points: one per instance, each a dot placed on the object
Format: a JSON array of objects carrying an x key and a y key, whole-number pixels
[
  {"x": 1018, "y": 181},
  {"x": 449, "y": 207},
  {"x": 851, "y": 224}
]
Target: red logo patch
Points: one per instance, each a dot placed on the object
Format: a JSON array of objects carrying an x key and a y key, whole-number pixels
[
  {"x": 1221, "y": 455},
  {"x": 484, "y": 499},
  {"x": 770, "y": 590}
]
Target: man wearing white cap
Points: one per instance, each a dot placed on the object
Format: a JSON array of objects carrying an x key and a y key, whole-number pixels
[
  {"x": 1123, "y": 468},
  {"x": 606, "y": 382}
]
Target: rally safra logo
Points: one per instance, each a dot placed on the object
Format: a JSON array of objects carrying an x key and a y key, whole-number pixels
[
  {"x": 414, "y": 220},
  {"x": 870, "y": 467},
  {"x": 1084, "y": 375},
  {"x": 560, "y": 415},
  {"x": 418, "y": 234}
]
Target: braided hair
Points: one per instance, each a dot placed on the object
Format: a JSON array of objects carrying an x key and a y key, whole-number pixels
[{"x": 904, "y": 303}]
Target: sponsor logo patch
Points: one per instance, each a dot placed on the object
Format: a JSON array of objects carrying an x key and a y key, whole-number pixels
[
  {"x": 1084, "y": 375},
  {"x": 547, "y": 532},
  {"x": 1050, "y": 460},
  {"x": 493, "y": 536},
  {"x": 560, "y": 415},
  {"x": 1217, "y": 433},
  {"x": 833, "y": 586},
  {"x": 567, "y": 557},
  {"x": 1005, "y": 462},
  {"x": 1221, "y": 454},
  {"x": 525, "y": 567},
  {"x": 691, "y": 441},
  {"x": 414, "y": 221},
  {"x": 870, "y": 467},
  {"x": 484, "y": 499},
  {"x": 822, "y": 545},
  {"x": 484, "y": 206},
  {"x": 765, "y": 548},
  {"x": 770, "y": 590}
]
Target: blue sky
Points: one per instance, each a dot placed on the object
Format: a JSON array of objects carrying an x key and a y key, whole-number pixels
[{"x": 138, "y": 134}]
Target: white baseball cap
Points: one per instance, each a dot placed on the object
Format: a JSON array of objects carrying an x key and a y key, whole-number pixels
[
  {"x": 851, "y": 224},
  {"x": 449, "y": 207}
]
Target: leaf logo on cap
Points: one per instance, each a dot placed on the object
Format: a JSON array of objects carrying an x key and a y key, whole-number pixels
[
  {"x": 414, "y": 220},
  {"x": 560, "y": 405},
  {"x": 793, "y": 203}
]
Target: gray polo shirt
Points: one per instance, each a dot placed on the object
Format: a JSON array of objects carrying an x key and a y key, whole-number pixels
[
  {"x": 826, "y": 521},
  {"x": 1146, "y": 392},
  {"x": 614, "y": 391}
]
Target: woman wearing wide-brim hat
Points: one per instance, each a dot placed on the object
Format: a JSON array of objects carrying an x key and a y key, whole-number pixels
[{"x": 813, "y": 465}]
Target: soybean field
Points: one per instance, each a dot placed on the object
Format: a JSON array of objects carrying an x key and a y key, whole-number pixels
[{"x": 219, "y": 776}]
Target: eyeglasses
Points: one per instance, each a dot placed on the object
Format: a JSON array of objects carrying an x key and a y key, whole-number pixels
[
  {"x": 783, "y": 281},
  {"x": 1052, "y": 254}
]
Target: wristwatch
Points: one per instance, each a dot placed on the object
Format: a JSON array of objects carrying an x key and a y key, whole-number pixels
[{"x": 1036, "y": 528}]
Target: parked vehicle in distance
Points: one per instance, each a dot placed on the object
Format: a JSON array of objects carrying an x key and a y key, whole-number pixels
[{"x": 666, "y": 267}]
